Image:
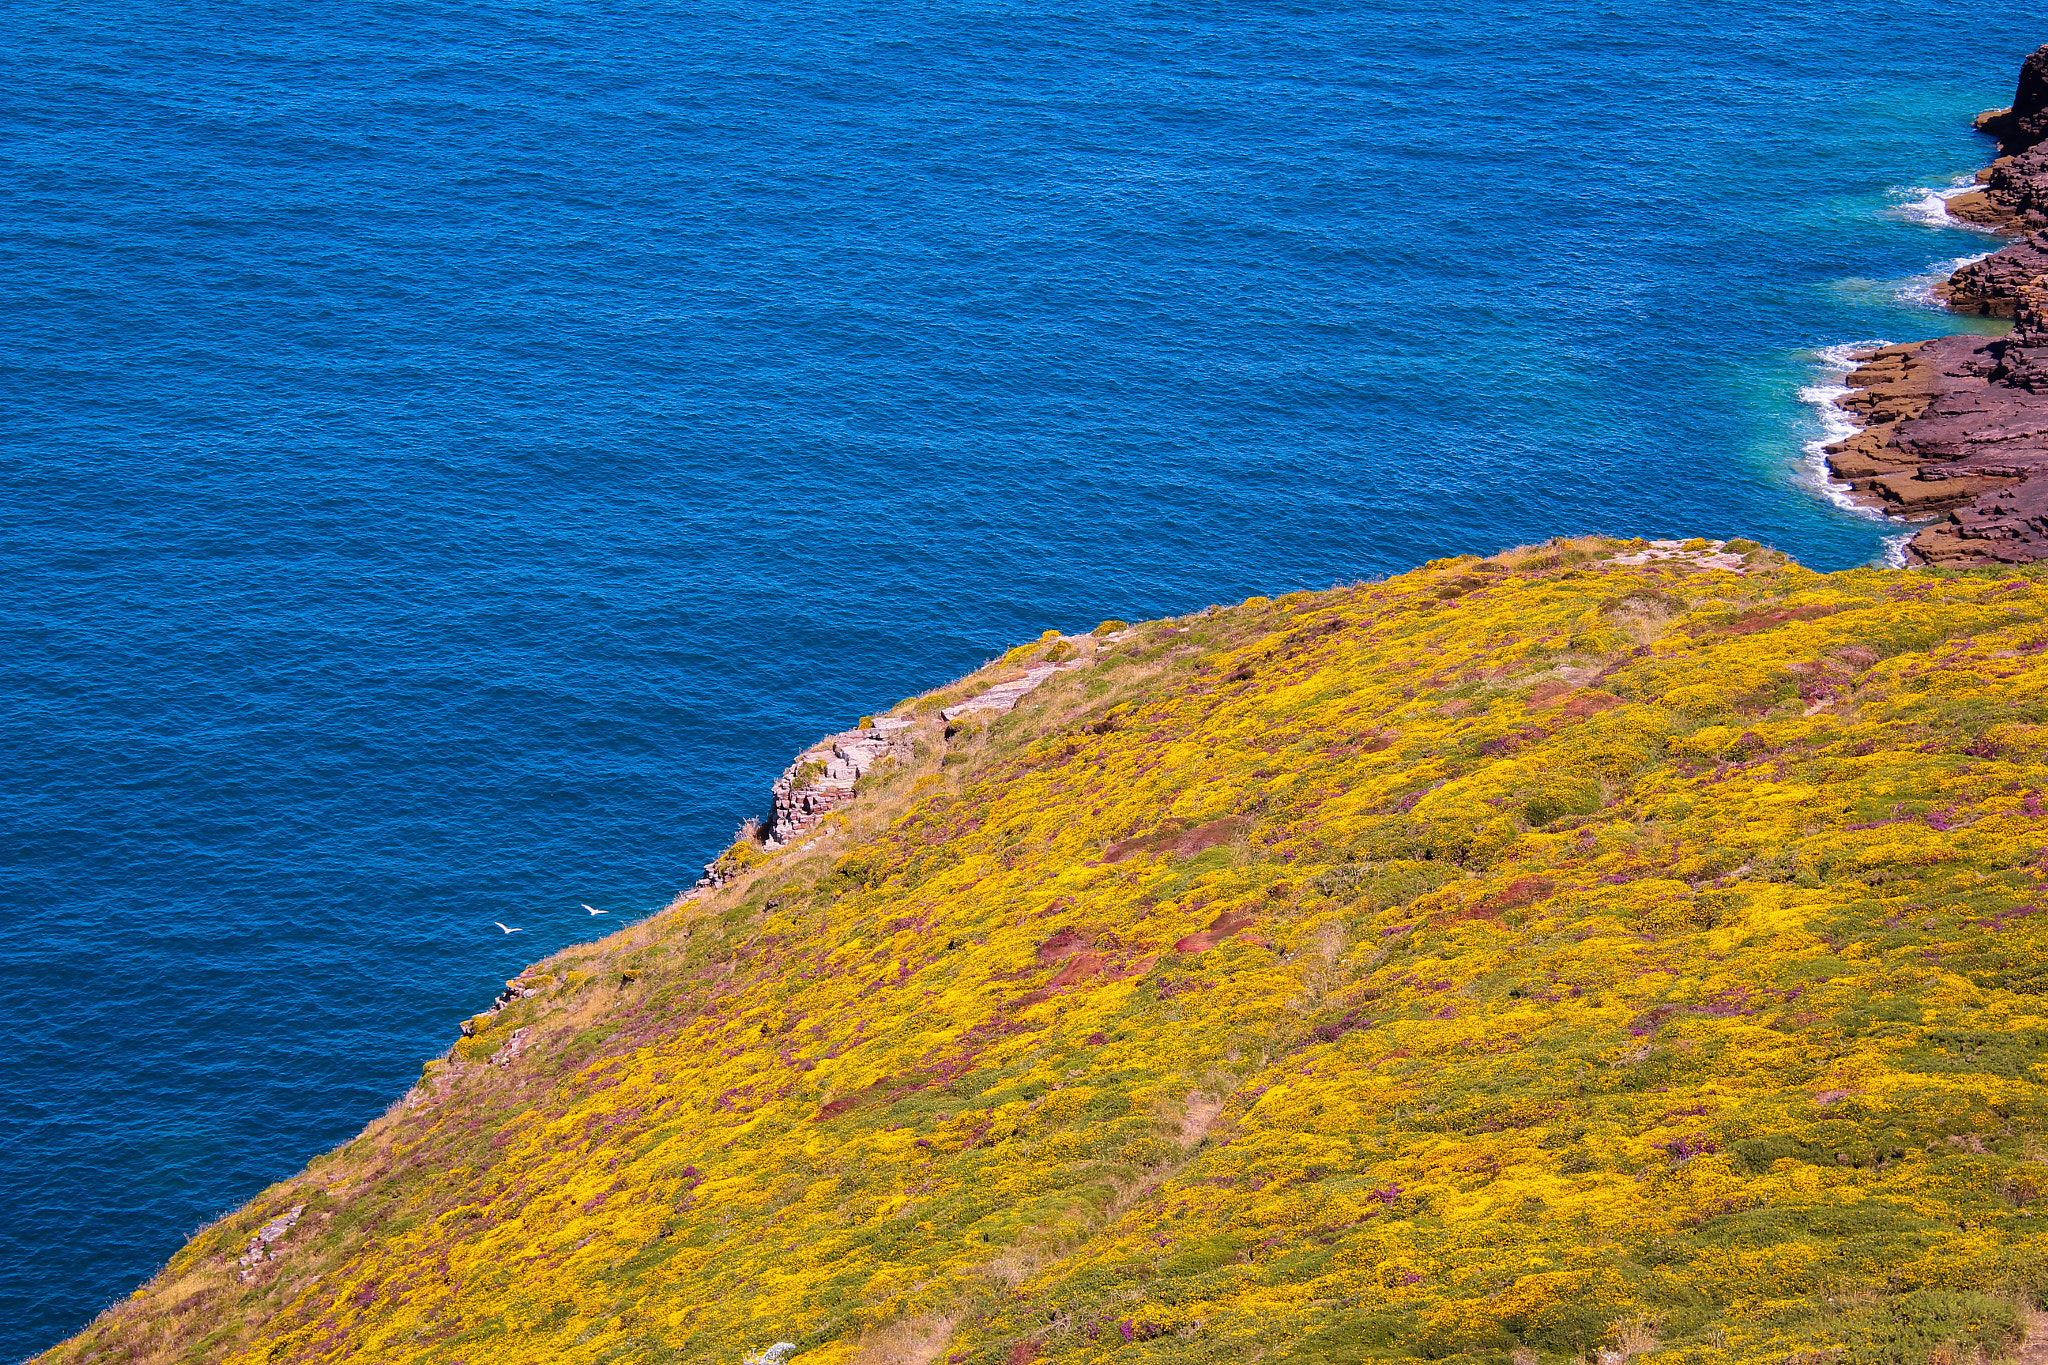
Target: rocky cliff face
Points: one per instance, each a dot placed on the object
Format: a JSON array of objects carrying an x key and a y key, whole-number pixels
[
  {"x": 1990, "y": 287},
  {"x": 2015, "y": 193},
  {"x": 2018, "y": 188},
  {"x": 1959, "y": 425},
  {"x": 2023, "y": 356},
  {"x": 827, "y": 775},
  {"x": 2014, "y": 197},
  {"x": 2024, "y": 124}
]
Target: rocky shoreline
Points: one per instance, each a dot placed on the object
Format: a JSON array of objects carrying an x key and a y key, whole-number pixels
[{"x": 1959, "y": 424}]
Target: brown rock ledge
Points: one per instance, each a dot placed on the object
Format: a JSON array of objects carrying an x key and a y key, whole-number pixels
[
  {"x": 1991, "y": 286},
  {"x": 2015, "y": 193},
  {"x": 1958, "y": 424},
  {"x": 2014, "y": 197},
  {"x": 2024, "y": 125}
]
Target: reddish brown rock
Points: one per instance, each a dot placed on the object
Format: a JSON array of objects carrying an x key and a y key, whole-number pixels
[
  {"x": 2025, "y": 124},
  {"x": 1079, "y": 967},
  {"x": 1989, "y": 287},
  {"x": 1174, "y": 841},
  {"x": 2015, "y": 193},
  {"x": 1959, "y": 424},
  {"x": 2023, "y": 359}
]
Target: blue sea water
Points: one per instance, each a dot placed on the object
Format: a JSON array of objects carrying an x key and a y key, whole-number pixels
[{"x": 451, "y": 455}]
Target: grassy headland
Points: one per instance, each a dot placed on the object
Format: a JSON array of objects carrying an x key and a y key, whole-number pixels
[{"x": 1519, "y": 959}]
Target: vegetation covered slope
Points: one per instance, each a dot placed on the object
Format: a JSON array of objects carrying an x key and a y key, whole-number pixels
[{"x": 1518, "y": 959}]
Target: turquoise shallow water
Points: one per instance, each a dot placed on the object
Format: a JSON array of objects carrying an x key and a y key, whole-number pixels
[{"x": 453, "y": 455}]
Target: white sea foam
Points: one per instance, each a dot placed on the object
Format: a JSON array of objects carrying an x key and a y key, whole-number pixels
[
  {"x": 1929, "y": 207},
  {"x": 1835, "y": 425},
  {"x": 1919, "y": 289}
]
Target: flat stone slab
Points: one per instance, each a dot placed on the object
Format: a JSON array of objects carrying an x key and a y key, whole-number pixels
[
  {"x": 1005, "y": 695},
  {"x": 1714, "y": 556}
]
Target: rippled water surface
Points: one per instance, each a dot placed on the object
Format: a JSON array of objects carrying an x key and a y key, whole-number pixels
[{"x": 450, "y": 456}]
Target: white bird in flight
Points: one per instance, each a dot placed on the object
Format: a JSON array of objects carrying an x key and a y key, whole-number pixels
[
  {"x": 593, "y": 909},
  {"x": 508, "y": 928}
]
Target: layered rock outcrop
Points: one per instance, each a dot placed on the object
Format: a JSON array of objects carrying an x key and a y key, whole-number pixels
[
  {"x": 2015, "y": 193},
  {"x": 826, "y": 775},
  {"x": 1959, "y": 425},
  {"x": 2016, "y": 185},
  {"x": 2024, "y": 125},
  {"x": 1006, "y": 694},
  {"x": 1990, "y": 287}
]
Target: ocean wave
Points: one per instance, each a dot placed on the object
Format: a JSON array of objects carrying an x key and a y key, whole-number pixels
[
  {"x": 1919, "y": 289},
  {"x": 1929, "y": 207},
  {"x": 1835, "y": 425}
]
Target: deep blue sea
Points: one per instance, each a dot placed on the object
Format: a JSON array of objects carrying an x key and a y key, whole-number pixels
[{"x": 452, "y": 455}]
